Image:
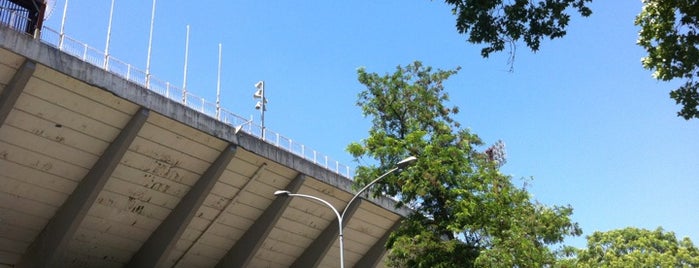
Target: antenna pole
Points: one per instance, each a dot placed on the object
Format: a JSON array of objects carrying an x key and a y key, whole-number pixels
[
  {"x": 109, "y": 34},
  {"x": 262, "y": 111},
  {"x": 218, "y": 86},
  {"x": 150, "y": 46},
  {"x": 63, "y": 26},
  {"x": 186, "y": 57}
]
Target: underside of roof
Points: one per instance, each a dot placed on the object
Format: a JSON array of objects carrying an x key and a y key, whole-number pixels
[{"x": 96, "y": 171}]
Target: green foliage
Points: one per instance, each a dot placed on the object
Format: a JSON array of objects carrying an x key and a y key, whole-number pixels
[
  {"x": 670, "y": 34},
  {"x": 498, "y": 23},
  {"x": 466, "y": 212},
  {"x": 633, "y": 247}
]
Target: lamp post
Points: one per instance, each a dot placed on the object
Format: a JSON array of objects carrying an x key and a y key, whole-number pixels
[{"x": 340, "y": 216}]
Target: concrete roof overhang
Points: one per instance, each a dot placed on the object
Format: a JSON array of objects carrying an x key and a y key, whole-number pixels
[{"x": 96, "y": 171}]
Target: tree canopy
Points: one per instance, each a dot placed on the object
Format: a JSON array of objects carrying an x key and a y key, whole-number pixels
[
  {"x": 633, "y": 247},
  {"x": 466, "y": 212},
  {"x": 670, "y": 34},
  {"x": 499, "y": 24}
]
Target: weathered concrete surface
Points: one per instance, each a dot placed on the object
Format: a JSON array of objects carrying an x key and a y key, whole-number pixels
[{"x": 67, "y": 115}]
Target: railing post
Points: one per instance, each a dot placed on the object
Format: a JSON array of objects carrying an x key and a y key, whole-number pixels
[{"x": 84, "y": 52}]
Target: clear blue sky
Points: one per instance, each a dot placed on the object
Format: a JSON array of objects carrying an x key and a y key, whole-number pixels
[{"x": 581, "y": 117}]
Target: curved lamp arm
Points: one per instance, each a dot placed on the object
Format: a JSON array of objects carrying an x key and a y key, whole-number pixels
[
  {"x": 339, "y": 218},
  {"x": 287, "y": 193},
  {"x": 403, "y": 163}
]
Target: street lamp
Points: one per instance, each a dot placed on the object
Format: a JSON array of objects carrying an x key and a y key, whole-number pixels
[{"x": 340, "y": 216}]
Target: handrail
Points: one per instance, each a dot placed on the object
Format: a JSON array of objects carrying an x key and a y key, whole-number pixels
[{"x": 129, "y": 72}]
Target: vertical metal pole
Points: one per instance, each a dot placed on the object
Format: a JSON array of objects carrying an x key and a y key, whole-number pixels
[
  {"x": 339, "y": 216},
  {"x": 109, "y": 34},
  {"x": 218, "y": 86},
  {"x": 150, "y": 46},
  {"x": 262, "y": 116},
  {"x": 342, "y": 239},
  {"x": 63, "y": 25},
  {"x": 186, "y": 58}
]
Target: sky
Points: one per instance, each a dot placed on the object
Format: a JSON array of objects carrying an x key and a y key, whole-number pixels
[{"x": 584, "y": 124}]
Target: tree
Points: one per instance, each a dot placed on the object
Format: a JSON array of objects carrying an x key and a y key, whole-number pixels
[
  {"x": 670, "y": 34},
  {"x": 498, "y": 23},
  {"x": 633, "y": 247},
  {"x": 466, "y": 212}
]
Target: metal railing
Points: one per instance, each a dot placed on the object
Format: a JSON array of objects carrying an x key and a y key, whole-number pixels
[
  {"x": 14, "y": 16},
  {"x": 129, "y": 72}
]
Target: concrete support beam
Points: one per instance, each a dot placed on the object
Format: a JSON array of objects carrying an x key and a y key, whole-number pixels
[
  {"x": 14, "y": 88},
  {"x": 245, "y": 249},
  {"x": 314, "y": 253},
  {"x": 155, "y": 251},
  {"x": 372, "y": 257},
  {"x": 48, "y": 248}
]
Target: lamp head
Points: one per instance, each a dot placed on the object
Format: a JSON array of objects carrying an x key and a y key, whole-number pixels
[
  {"x": 406, "y": 162},
  {"x": 282, "y": 193},
  {"x": 258, "y": 94},
  {"x": 260, "y": 85}
]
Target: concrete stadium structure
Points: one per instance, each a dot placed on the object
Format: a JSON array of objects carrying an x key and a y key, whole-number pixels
[{"x": 98, "y": 171}]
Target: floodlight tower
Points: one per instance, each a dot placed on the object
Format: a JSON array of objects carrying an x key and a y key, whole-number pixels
[{"x": 261, "y": 104}]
